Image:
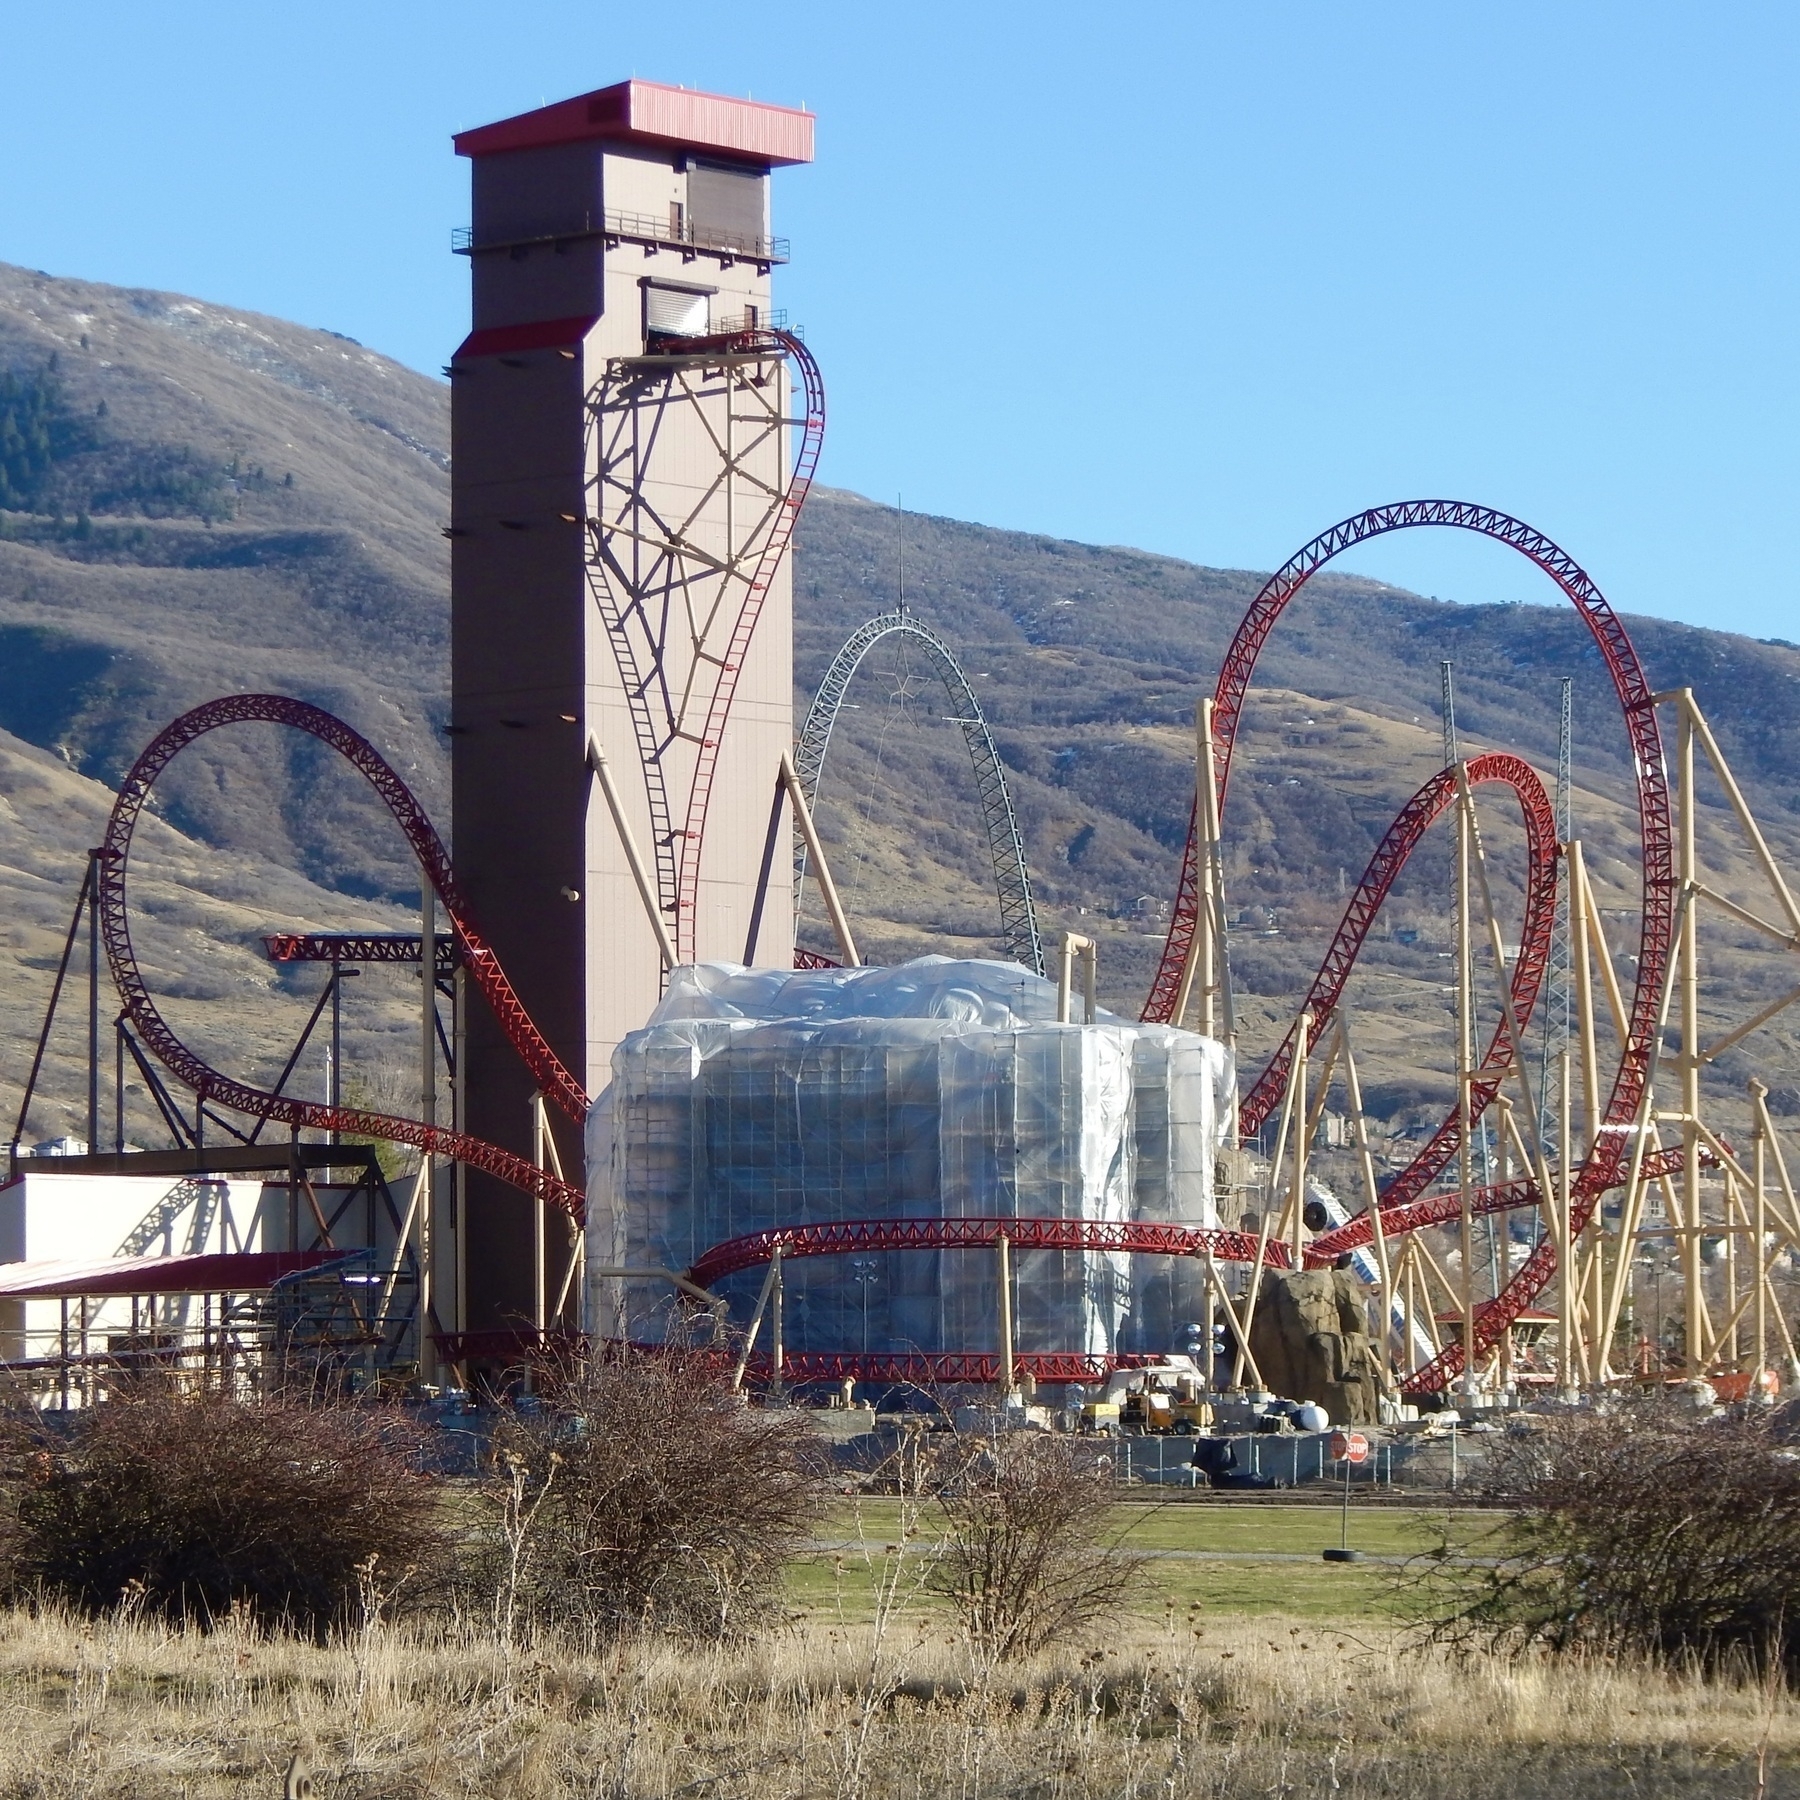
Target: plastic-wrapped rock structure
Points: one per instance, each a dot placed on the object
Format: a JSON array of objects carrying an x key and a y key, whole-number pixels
[{"x": 759, "y": 1098}]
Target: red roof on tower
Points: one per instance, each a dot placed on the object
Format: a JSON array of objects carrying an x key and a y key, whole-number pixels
[{"x": 647, "y": 112}]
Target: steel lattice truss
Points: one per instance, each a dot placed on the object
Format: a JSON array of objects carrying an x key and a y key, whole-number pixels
[
  {"x": 365, "y": 947},
  {"x": 679, "y": 564},
  {"x": 484, "y": 967},
  {"x": 1006, "y": 847}
]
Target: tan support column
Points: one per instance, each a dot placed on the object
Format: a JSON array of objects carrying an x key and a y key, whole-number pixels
[
  {"x": 815, "y": 851},
  {"x": 540, "y": 1131},
  {"x": 1760, "y": 1229},
  {"x": 1465, "y": 1059},
  {"x": 427, "y": 1177},
  {"x": 640, "y": 875},
  {"x": 1007, "y": 1355},
  {"x": 1688, "y": 1061}
]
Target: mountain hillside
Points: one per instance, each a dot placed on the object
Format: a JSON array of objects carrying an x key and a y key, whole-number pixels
[{"x": 195, "y": 500}]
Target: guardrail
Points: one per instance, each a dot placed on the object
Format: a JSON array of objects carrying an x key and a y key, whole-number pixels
[{"x": 643, "y": 228}]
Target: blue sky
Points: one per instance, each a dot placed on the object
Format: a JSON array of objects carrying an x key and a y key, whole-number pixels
[{"x": 1200, "y": 278}]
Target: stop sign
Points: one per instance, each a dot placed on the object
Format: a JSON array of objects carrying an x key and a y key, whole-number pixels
[{"x": 1349, "y": 1446}]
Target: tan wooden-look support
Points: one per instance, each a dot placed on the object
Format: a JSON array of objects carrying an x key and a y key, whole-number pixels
[
  {"x": 1295, "y": 1083},
  {"x": 1465, "y": 1075},
  {"x": 1365, "y": 1156},
  {"x": 1008, "y": 1359},
  {"x": 640, "y": 875},
  {"x": 1240, "y": 1326},
  {"x": 1568, "y": 1363},
  {"x": 427, "y": 1178},
  {"x": 1207, "y": 964},
  {"x": 821, "y": 868},
  {"x": 756, "y": 1318},
  {"x": 544, "y": 1155}
]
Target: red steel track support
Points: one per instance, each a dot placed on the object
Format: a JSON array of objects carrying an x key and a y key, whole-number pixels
[{"x": 115, "y": 925}]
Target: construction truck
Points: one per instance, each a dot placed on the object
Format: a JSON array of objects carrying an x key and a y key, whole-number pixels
[{"x": 1168, "y": 1398}]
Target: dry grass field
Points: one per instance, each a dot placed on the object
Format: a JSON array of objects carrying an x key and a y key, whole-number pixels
[{"x": 1188, "y": 1705}]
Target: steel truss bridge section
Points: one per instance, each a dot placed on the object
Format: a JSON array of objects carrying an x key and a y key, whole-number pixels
[
  {"x": 680, "y": 591},
  {"x": 364, "y": 948},
  {"x": 113, "y": 860},
  {"x": 1656, "y": 941},
  {"x": 1006, "y": 845}
]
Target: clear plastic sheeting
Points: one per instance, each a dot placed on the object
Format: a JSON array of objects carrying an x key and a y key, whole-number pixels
[{"x": 757, "y": 1098}]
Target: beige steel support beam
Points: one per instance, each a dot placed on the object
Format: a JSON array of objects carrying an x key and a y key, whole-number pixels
[
  {"x": 1760, "y": 1229},
  {"x": 543, "y": 1154},
  {"x": 596, "y": 758},
  {"x": 427, "y": 1178},
  {"x": 1687, "y": 1059},
  {"x": 1207, "y": 960},
  {"x": 1303, "y": 1031},
  {"x": 1305, "y": 1126},
  {"x": 1007, "y": 1357},
  {"x": 1575, "y": 867},
  {"x": 756, "y": 1319},
  {"x": 1240, "y": 1327},
  {"x": 1632, "y": 1205},
  {"x": 1568, "y": 1366},
  {"x": 1371, "y": 1190},
  {"x": 1697, "y": 728},
  {"x": 1465, "y": 1070},
  {"x": 821, "y": 868}
]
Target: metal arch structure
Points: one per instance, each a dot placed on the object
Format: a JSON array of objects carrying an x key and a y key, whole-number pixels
[
  {"x": 484, "y": 967},
  {"x": 1006, "y": 844},
  {"x": 661, "y": 593},
  {"x": 1656, "y": 941}
]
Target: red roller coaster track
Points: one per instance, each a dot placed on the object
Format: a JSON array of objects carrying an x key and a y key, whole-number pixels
[
  {"x": 1402, "y": 1208},
  {"x": 1636, "y": 702},
  {"x": 115, "y": 925},
  {"x": 1140, "y": 1237}
]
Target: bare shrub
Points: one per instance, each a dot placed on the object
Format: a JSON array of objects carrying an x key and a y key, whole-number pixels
[
  {"x": 193, "y": 1505},
  {"x": 650, "y": 1497},
  {"x": 1031, "y": 1551},
  {"x": 1639, "y": 1530}
]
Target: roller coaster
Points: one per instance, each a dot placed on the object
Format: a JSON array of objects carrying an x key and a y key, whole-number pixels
[{"x": 1620, "y": 1153}]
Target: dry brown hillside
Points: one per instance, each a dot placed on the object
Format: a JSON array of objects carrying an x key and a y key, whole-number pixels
[{"x": 235, "y": 502}]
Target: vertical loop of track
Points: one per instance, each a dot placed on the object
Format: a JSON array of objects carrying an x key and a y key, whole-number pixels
[
  {"x": 1656, "y": 938},
  {"x": 115, "y": 927},
  {"x": 1006, "y": 843}
]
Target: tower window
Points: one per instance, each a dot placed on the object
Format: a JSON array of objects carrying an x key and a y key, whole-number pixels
[{"x": 676, "y": 312}]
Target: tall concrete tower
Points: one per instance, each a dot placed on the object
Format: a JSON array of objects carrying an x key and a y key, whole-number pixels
[{"x": 631, "y": 445}]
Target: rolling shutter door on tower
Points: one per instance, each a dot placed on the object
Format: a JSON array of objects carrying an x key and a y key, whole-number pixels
[
  {"x": 680, "y": 312},
  {"x": 727, "y": 204}
]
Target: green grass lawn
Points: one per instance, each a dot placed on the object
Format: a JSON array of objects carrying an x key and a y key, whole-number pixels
[{"x": 1294, "y": 1581}]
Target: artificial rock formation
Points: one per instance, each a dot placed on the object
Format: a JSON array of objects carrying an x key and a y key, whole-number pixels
[{"x": 1310, "y": 1338}]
